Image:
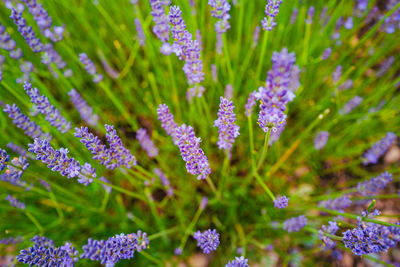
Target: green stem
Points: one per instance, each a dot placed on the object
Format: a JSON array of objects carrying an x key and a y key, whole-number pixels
[
  {"x": 265, "y": 149},
  {"x": 151, "y": 258},
  {"x": 264, "y": 186},
  {"x": 189, "y": 230},
  {"x": 122, "y": 190},
  {"x": 34, "y": 221},
  {"x": 59, "y": 211},
  {"x": 224, "y": 173},
  {"x": 261, "y": 60},
  {"x": 175, "y": 96},
  {"x": 227, "y": 58},
  {"x": 253, "y": 163},
  {"x": 163, "y": 233}
]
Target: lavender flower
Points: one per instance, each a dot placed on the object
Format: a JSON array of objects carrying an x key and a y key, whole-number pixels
[
  {"x": 369, "y": 238},
  {"x": 295, "y": 224},
  {"x": 227, "y": 129},
  {"x": 44, "y": 21},
  {"x": 42, "y": 241},
  {"x": 9, "y": 44},
  {"x": 256, "y": 36},
  {"x": 140, "y": 33},
  {"x": 14, "y": 172},
  {"x": 26, "y": 32},
  {"x": 349, "y": 23},
  {"x": 251, "y": 102},
  {"x": 192, "y": 154},
  {"x": 327, "y": 53},
  {"x": 271, "y": 118},
  {"x": 203, "y": 203},
  {"x": 214, "y": 73},
  {"x": 23, "y": 122},
  {"x": 83, "y": 108},
  {"x": 58, "y": 160},
  {"x": 116, "y": 248},
  {"x": 293, "y": 17},
  {"x": 146, "y": 143},
  {"x": 15, "y": 202},
  {"x": 164, "y": 181},
  {"x": 207, "y": 240},
  {"x": 228, "y": 91},
  {"x": 220, "y": 10},
  {"x": 51, "y": 55},
  {"x": 26, "y": 68},
  {"x": 352, "y": 104},
  {"x": 385, "y": 66},
  {"x": 238, "y": 262},
  {"x": 320, "y": 140},
  {"x": 161, "y": 29},
  {"x": 19, "y": 150},
  {"x": 346, "y": 85},
  {"x": 372, "y": 155},
  {"x": 90, "y": 67},
  {"x": 177, "y": 251},
  {"x": 331, "y": 229},
  {"x": 338, "y": 204},
  {"x": 115, "y": 156},
  {"x": 372, "y": 186},
  {"x": 271, "y": 11},
  {"x": 310, "y": 15},
  {"x": 194, "y": 91},
  {"x": 45, "y": 184},
  {"x": 281, "y": 202},
  {"x": 167, "y": 121},
  {"x": 337, "y": 74},
  {"x": 107, "y": 188},
  {"x": 11, "y": 240},
  {"x": 4, "y": 158}
]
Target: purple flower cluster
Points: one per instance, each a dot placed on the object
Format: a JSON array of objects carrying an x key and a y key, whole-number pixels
[
  {"x": 14, "y": 171},
  {"x": 251, "y": 102},
  {"x": 227, "y": 129},
  {"x": 115, "y": 156},
  {"x": 58, "y": 160},
  {"x": 9, "y": 44},
  {"x": 51, "y": 55},
  {"x": 310, "y": 15},
  {"x": 192, "y": 154},
  {"x": 167, "y": 121},
  {"x": 83, "y": 108},
  {"x": 320, "y": 140},
  {"x": 373, "y": 185},
  {"x": 23, "y": 122},
  {"x": 220, "y": 10},
  {"x": 115, "y": 248},
  {"x": 140, "y": 33},
  {"x": 26, "y": 32},
  {"x": 352, "y": 104},
  {"x": 161, "y": 29},
  {"x": 186, "y": 48},
  {"x": 295, "y": 224},
  {"x": 146, "y": 143},
  {"x": 372, "y": 155},
  {"x": 256, "y": 36},
  {"x": 338, "y": 204},
  {"x": 11, "y": 240},
  {"x": 4, "y": 158},
  {"x": 43, "y": 106},
  {"x": 44, "y": 21},
  {"x": 327, "y": 53},
  {"x": 337, "y": 74},
  {"x": 15, "y": 202},
  {"x": 331, "y": 229},
  {"x": 281, "y": 202},
  {"x": 19, "y": 150},
  {"x": 164, "y": 181},
  {"x": 271, "y": 11},
  {"x": 392, "y": 23},
  {"x": 238, "y": 262},
  {"x": 369, "y": 238},
  {"x": 106, "y": 188},
  {"x": 208, "y": 240},
  {"x": 90, "y": 67}
]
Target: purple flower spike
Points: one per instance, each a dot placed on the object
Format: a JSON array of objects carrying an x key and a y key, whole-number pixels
[
  {"x": 24, "y": 122},
  {"x": 251, "y": 102},
  {"x": 281, "y": 202},
  {"x": 271, "y": 118},
  {"x": 331, "y": 229},
  {"x": 238, "y": 262},
  {"x": 327, "y": 53},
  {"x": 43, "y": 106},
  {"x": 146, "y": 143},
  {"x": 337, "y": 74},
  {"x": 4, "y": 158},
  {"x": 161, "y": 29},
  {"x": 117, "y": 149},
  {"x": 373, "y": 185},
  {"x": 90, "y": 67},
  {"x": 208, "y": 240},
  {"x": 167, "y": 121},
  {"x": 19, "y": 150},
  {"x": 352, "y": 104},
  {"x": 310, "y": 15},
  {"x": 256, "y": 36},
  {"x": 9, "y": 44},
  {"x": 220, "y": 10},
  {"x": 295, "y": 224},
  {"x": 192, "y": 154},
  {"x": 15, "y": 202},
  {"x": 11, "y": 240},
  {"x": 83, "y": 108},
  {"x": 140, "y": 34},
  {"x": 271, "y": 11},
  {"x": 14, "y": 171},
  {"x": 164, "y": 181},
  {"x": 378, "y": 149},
  {"x": 338, "y": 204},
  {"x": 227, "y": 129},
  {"x": 26, "y": 32},
  {"x": 320, "y": 140}
]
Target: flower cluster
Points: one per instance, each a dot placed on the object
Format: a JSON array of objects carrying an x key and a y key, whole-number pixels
[
  {"x": 220, "y": 10},
  {"x": 83, "y": 108},
  {"x": 321, "y": 139},
  {"x": 271, "y": 11},
  {"x": 115, "y": 248},
  {"x": 167, "y": 121},
  {"x": 146, "y": 143},
  {"x": 369, "y": 238},
  {"x": 352, "y": 104},
  {"x": 114, "y": 156},
  {"x": 51, "y": 55},
  {"x": 90, "y": 67},
  {"x": 238, "y": 262},
  {"x": 24, "y": 122},
  {"x": 14, "y": 171},
  {"x": 373, "y": 185},
  {"x": 58, "y": 160},
  {"x": 331, "y": 229},
  {"x": 20, "y": 150},
  {"x": 192, "y": 154},
  {"x": 161, "y": 29},
  {"x": 208, "y": 240},
  {"x": 378, "y": 149},
  {"x": 295, "y": 224},
  {"x": 164, "y": 181},
  {"x": 26, "y": 32},
  {"x": 281, "y": 202},
  {"x": 11, "y": 240},
  {"x": 327, "y": 53},
  {"x": 310, "y": 15},
  {"x": 9, "y": 44},
  {"x": 15, "y": 202},
  {"x": 227, "y": 129},
  {"x": 4, "y": 158},
  {"x": 251, "y": 102},
  {"x": 338, "y": 204},
  {"x": 140, "y": 33},
  {"x": 337, "y": 74},
  {"x": 43, "y": 106}
]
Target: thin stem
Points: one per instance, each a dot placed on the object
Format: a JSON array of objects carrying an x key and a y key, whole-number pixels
[
  {"x": 264, "y": 186},
  {"x": 175, "y": 97},
  {"x": 122, "y": 190},
  {"x": 253, "y": 163},
  {"x": 265, "y": 149},
  {"x": 227, "y": 58},
  {"x": 224, "y": 173},
  {"x": 163, "y": 233},
  {"x": 151, "y": 258},
  {"x": 58, "y": 209},
  {"x": 34, "y": 221},
  {"x": 212, "y": 186},
  {"x": 263, "y": 48},
  {"x": 189, "y": 230}
]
